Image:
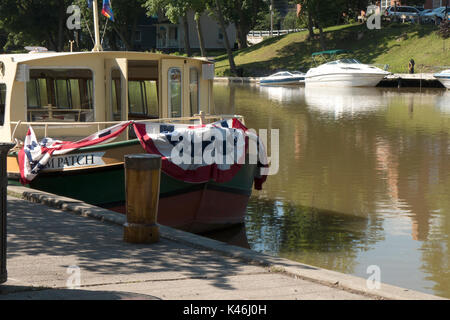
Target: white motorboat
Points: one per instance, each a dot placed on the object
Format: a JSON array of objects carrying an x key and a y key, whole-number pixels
[
  {"x": 444, "y": 77},
  {"x": 344, "y": 73},
  {"x": 283, "y": 78}
]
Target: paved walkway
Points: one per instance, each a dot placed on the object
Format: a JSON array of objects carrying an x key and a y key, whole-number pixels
[{"x": 50, "y": 249}]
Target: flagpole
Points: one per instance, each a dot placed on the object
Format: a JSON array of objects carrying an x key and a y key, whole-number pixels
[{"x": 97, "y": 46}]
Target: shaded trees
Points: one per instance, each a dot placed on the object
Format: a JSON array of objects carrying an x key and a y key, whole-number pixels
[
  {"x": 31, "y": 22},
  {"x": 126, "y": 17},
  {"x": 34, "y": 22},
  {"x": 324, "y": 13}
]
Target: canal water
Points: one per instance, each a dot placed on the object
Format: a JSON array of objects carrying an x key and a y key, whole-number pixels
[{"x": 364, "y": 180}]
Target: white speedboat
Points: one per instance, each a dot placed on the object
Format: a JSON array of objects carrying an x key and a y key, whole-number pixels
[
  {"x": 345, "y": 73},
  {"x": 444, "y": 77},
  {"x": 283, "y": 78}
]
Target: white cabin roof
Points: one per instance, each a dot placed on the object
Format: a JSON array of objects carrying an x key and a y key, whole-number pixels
[{"x": 26, "y": 57}]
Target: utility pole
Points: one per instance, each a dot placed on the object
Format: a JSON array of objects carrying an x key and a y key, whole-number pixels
[{"x": 271, "y": 18}]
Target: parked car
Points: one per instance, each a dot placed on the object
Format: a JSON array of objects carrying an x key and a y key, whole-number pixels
[
  {"x": 402, "y": 12},
  {"x": 425, "y": 11},
  {"x": 435, "y": 16}
]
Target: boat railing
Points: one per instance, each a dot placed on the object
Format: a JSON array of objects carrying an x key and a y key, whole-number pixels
[{"x": 99, "y": 125}]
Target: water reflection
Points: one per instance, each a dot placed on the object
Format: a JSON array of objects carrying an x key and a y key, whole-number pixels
[
  {"x": 282, "y": 94},
  {"x": 442, "y": 102},
  {"x": 341, "y": 102},
  {"x": 308, "y": 234},
  {"x": 364, "y": 179}
]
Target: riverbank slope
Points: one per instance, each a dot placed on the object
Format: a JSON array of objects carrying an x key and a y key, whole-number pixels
[{"x": 393, "y": 44}]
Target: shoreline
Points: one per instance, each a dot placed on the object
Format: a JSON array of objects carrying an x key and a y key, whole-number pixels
[{"x": 399, "y": 80}]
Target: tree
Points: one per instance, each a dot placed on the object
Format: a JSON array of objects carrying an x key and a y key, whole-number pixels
[
  {"x": 174, "y": 10},
  {"x": 126, "y": 16},
  {"x": 290, "y": 21},
  {"x": 307, "y": 12},
  {"x": 34, "y": 22},
  {"x": 199, "y": 7},
  {"x": 264, "y": 20},
  {"x": 245, "y": 15},
  {"x": 323, "y": 13},
  {"x": 31, "y": 22},
  {"x": 216, "y": 9}
]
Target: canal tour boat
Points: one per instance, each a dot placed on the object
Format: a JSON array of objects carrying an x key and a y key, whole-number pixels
[
  {"x": 444, "y": 78},
  {"x": 75, "y": 115},
  {"x": 283, "y": 78},
  {"x": 343, "y": 72}
]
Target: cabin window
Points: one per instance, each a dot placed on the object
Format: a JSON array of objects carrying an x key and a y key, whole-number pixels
[
  {"x": 60, "y": 95},
  {"x": 194, "y": 91},
  {"x": 175, "y": 93},
  {"x": 143, "y": 99},
  {"x": 116, "y": 92},
  {"x": 2, "y": 103}
]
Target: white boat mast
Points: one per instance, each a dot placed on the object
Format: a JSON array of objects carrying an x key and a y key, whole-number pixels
[{"x": 97, "y": 46}]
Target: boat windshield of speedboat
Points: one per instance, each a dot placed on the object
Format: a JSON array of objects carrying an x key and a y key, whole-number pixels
[
  {"x": 281, "y": 74},
  {"x": 345, "y": 61}
]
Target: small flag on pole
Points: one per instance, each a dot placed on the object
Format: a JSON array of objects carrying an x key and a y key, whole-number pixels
[{"x": 107, "y": 10}]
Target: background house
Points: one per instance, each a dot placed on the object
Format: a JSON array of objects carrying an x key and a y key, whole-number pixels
[
  {"x": 145, "y": 38},
  {"x": 169, "y": 36},
  {"x": 158, "y": 33}
]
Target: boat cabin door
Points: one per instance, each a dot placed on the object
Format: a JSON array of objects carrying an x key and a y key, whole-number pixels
[
  {"x": 116, "y": 89},
  {"x": 174, "y": 88}
]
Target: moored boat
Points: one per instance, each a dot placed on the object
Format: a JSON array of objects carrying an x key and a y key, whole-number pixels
[
  {"x": 346, "y": 72},
  {"x": 283, "y": 78},
  {"x": 65, "y": 96},
  {"x": 444, "y": 78}
]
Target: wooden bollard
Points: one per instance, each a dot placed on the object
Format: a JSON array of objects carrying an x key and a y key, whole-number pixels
[{"x": 142, "y": 180}]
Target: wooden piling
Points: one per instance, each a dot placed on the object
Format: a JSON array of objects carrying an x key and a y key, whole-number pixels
[{"x": 142, "y": 186}]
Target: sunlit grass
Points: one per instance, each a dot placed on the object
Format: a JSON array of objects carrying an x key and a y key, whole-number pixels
[{"x": 394, "y": 44}]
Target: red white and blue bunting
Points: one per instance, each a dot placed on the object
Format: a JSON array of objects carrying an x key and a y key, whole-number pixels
[
  {"x": 190, "y": 153},
  {"x": 34, "y": 155}
]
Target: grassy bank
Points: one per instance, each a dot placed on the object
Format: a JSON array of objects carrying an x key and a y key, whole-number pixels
[{"x": 393, "y": 44}]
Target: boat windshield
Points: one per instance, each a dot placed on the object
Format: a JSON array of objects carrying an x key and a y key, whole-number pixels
[
  {"x": 349, "y": 61},
  {"x": 282, "y": 74},
  {"x": 60, "y": 95}
]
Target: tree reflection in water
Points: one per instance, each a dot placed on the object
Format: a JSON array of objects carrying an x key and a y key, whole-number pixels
[{"x": 323, "y": 238}]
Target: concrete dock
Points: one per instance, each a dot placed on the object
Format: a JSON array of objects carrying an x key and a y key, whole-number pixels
[{"x": 64, "y": 249}]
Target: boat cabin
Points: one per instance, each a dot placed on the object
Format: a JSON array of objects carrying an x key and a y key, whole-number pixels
[{"x": 66, "y": 95}]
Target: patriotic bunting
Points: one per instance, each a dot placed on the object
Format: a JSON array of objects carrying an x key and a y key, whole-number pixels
[
  {"x": 198, "y": 154},
  {"x": 190, "y": 153},
  {"x": 34, "y": 156}
]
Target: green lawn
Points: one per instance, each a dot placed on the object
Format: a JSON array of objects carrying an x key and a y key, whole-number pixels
[{"x": 393, "y": 44}]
